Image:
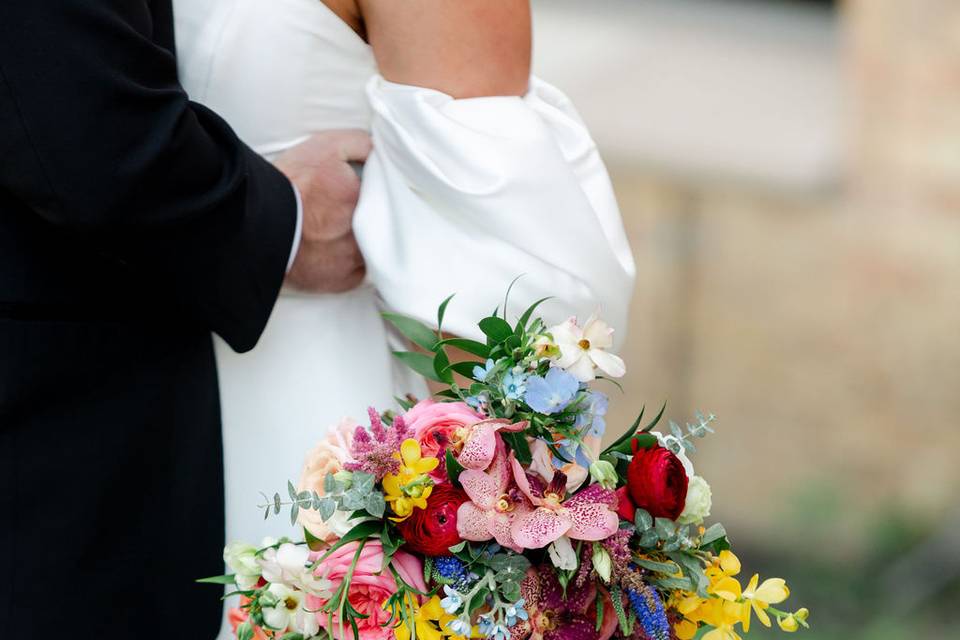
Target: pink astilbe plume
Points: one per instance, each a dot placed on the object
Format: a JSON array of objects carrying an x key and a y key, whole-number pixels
[{"x": 374, "y": 450}]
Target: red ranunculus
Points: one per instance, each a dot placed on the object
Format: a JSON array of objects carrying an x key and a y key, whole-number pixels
[
  {"x": 625, "y": 507},
  {"x": 657, "y": 481},
  {"x": 432, "y": 531}
]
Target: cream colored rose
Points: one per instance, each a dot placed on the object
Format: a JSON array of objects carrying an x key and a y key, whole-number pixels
[
  {"x": 328, "y": 457},
  {"x": 699, "y": 502}
]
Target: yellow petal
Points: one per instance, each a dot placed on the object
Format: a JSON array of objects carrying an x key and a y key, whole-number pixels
[
  {"x": 391, "y": 485},
  {"x": 751, "y": 586},
  {"x": 431, "y": 609},
  {"x": 773, "y": 590},
  {"x": 426, "y": 492},
  {"x": 802, "y": 614},
  {"x": 689, "y": 604},
  {"x": 410, "y": 452},
  {"x": 762, "y": 616},
  {"x": 727, "y": 588},
  {"x": 789, "y": 623},
  {"x": 402, "y": 632},
  {"x": 685, "y": 629},
  {"x": 729, "y": 563},
  {"x": 425, "y": 465}
]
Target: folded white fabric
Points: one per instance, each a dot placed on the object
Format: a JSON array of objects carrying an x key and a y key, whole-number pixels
[{"x": 475, "y": 192}]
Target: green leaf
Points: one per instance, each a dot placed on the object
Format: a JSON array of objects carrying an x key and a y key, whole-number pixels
[
  {"x": 470, "y": 346},
  {"x": 228, "y": 579},
  {"x": 419, "y": 362},
  {"x": 522, "y": 322},
  {"x": 506, "y": 297},
  {"x": 654, "y": 422},
  {"x": 496, "y": 329},
  {"x": 294, "y": 512},
  {"x": 292, "y": 636},
  {"x": 464, "y": 368},
  {"x": 517, "y": 442},
  {"x": 457, "y": 548},
  {"x": 643, "y": 520},
  {"x": 649, "y": 539},
  {"x": 442, "y": 310},
  {"x": 672, "y": 584},
  {"x": 669, "y": 568},
  {"x": 363, "y": 482},
  {"x": 276, "y": 503},
  {"x": 376, "y": 506},
  {"x": 453, "y": 469},
  {"x": 417, "y": 332},
  {"x": 441, "y": 366},
  {"x": 715, "y": 532},
  {"x": 244, "y": 631},
  {"x": 361, "y": 531},
  {"x": 625, "y": 437},
  {"x": 665, "y": 528},
  {"x": 292, "y": 490}
]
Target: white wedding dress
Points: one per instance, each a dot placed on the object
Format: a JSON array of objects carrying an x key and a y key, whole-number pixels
[{"x": 458, "y": 196}]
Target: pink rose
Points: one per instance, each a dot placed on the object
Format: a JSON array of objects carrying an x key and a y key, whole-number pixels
[
  {"x": 435, "y": 425},
  {"x": 369, "y": 587},
  {"x": 327, "y": 457}
]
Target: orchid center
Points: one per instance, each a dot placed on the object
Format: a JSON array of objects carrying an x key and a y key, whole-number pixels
[
  {"x": 504, "y": 504},
  {"x": 546, "y": 621}
]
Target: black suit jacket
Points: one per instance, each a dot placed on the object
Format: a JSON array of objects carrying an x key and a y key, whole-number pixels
[{"x": 132, "y": 224}]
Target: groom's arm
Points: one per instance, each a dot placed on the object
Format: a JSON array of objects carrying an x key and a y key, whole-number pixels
[{"x": 98, "y": 138}]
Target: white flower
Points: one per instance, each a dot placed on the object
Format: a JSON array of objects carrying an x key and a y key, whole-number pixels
[
  {"x": 315, "y": 585},
  {"x": 562, "y": 554},
  {"x": 241, "y": 558},
  {"x": 285, "y": 564},
  {"x": 281, "y": 604},
  {"x": 674, "y": 444},
  {"x": 584, "y": 349},
  {"x": 699, "y": 502}
]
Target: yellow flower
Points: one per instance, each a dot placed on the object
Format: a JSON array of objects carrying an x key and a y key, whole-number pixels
[
  {"x": 430, "y": 621},
  {"x": 723, "y": 616},
  {"x": 793, "y": 621},
  {"x": 772, "y": 591},
  {"x": 411, "y": 486}
]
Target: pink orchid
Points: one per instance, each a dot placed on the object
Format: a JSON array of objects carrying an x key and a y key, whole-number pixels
[
  {"x": 480, "y": 442},
  {"x": 494, "y": 504},
  {"x": 589, "y": 515}
]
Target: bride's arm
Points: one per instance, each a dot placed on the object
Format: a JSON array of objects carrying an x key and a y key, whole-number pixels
[{"x": 464, "y": 48}]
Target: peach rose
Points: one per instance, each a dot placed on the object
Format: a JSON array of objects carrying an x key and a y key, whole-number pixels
[
  {"x": 238, "y": 616},
  {"x": 435, "y": 425},
  {"x": 327, "y": 457},
  {"x": 369, "y": 587}
]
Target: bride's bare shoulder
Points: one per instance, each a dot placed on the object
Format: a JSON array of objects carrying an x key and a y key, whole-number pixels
[{"x": 466, "y": 48}]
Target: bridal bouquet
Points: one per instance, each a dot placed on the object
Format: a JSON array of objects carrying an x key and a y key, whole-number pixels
[{"x": 495, "y": 513}]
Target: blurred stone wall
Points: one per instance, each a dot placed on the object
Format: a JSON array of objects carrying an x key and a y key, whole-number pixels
[{"x": 821, "y": 324}]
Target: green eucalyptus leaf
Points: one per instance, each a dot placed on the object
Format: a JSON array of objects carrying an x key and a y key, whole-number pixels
[
  {"x": 665, "y": 528},
  {"x": 649, "y": 539},
  {"x": 294, "y": 512},
  {"x": 376, "y": 506},
  {"x": 643, "y": 520},
  {"x": 292, "y": 490},
  {"x": 668, "y": 568}
]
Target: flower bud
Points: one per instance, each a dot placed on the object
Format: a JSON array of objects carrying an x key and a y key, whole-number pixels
[
  {"x": 344, "y": 477},
  {"x": 603, "y": 472},
  {"x": 602, "y": 563}
]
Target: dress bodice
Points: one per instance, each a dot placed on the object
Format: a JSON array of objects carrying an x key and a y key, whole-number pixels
[{"x": 276, "y": 70}]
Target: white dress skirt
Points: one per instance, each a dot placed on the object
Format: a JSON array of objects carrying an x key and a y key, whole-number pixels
[{"x": 458, "y": 196}]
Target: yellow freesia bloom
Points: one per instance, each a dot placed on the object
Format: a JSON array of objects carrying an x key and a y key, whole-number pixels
[
  {"x": 430, "y": 621},
  {"x": 772, "y": 591},
  {"x": 411, "y": 486},
  {"x": 793, "y": 621}
]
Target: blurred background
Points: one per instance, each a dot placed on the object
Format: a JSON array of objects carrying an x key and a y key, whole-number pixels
[{"x": 789, "y": 174}]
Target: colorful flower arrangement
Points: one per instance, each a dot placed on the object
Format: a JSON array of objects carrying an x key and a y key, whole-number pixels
[{"x": 494, "y": 512}]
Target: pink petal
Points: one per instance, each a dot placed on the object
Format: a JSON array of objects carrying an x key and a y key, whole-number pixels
[
  {"x": 501, "y": 526},
  {"x": 480, "y": 447},
  {"x": 513, "y": 427},
  {"x": 483, "y": 489},
  {"x": 539, "y": 528},
  {"x": 472, "y": 523},
  {"x": 520, "y": 477},
  {"x": 592, "y": 521}
]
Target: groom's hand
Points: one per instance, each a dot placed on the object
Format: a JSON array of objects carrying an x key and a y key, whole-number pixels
[{"x": 328, "y": 259}]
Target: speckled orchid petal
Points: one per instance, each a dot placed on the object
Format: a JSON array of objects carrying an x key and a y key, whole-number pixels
[
  {"x": 501, "y": 525},
  {"x": 481, "y": 445},
  {"x": 523, "y": 483},
  {"x": 540, "y": 527},
  {"x": 592, "y": 514},
  {"x": 472, "y": 523},
  {"x": 482, "y": 488}
]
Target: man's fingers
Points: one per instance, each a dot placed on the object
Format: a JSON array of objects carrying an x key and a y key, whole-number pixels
[{"x": 354, "y": 144}]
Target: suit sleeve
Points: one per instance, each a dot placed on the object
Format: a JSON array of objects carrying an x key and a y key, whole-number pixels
[{"x": 98, "y": 138}]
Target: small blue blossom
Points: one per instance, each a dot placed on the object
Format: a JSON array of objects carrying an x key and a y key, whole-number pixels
[
  {"x": 460, "y": 627},
  {"x": 515, "y": 612},
  {"x": 592, "y": 417},
  {"x": 514, "y": 385},
  {"x": 450, "y": 570},
  {"x": 551, "y": 393},
  {"x": 650, "y": 612},
  {"x": 478, "y": 400},
  {"x": 485, "y": 623},
  {"x": 480, "y": 373},
  {"x": 454, "y": 600}
]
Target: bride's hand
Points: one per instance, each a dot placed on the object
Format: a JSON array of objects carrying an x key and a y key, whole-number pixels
[{"x": 328, "y": 259}]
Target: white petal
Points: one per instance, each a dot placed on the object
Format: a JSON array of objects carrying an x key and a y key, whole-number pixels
[
  {"x": 276, "y": 618},
  {"x": 610, "y": 364},
  {"x": 562, "y": 554},
  {"x": 566, "y": 332},
  {"x": 599, "y": 334},
  {"x": 582, "y": 369},
  {"x": 292, "y": 557}
]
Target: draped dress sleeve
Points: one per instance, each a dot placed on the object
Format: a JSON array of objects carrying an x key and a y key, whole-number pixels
[{"x": 464, "y": 195}]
